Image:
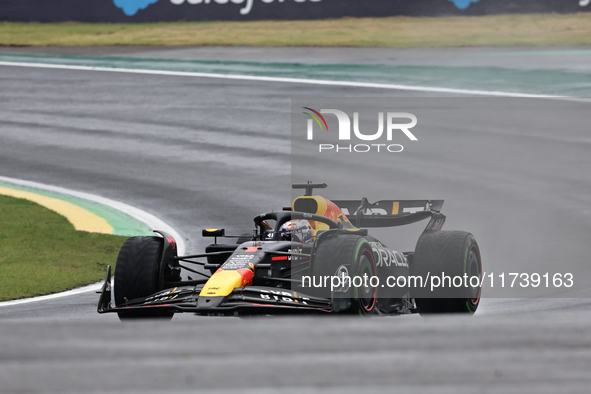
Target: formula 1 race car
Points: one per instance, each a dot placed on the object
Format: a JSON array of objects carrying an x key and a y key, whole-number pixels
[{"x": 313, "y": 257}]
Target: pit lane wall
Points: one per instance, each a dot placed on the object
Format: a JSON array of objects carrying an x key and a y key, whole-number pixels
[{"x": 203, "y": 10}]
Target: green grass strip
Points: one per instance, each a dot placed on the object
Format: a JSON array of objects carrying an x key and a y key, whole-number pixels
[
  {"x": 41, "y": 253},
  {"x": 402, "y": 32},
  {"x": 122, "y": 224}
]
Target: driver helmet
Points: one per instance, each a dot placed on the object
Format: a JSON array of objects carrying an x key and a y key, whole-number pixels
[{"x": 297, "y": 230}]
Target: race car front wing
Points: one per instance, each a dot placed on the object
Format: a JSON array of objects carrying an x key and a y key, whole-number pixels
[{"x": 248, "y": 300}]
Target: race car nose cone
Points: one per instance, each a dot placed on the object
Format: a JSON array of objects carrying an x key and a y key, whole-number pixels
[{"x": 209, "y": 302}]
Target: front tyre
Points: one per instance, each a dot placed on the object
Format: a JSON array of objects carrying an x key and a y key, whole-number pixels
[
  {"x": 343, "y": 255},
  {"x": 138, "y": 275},
  {"x": 441, "y": 258}
]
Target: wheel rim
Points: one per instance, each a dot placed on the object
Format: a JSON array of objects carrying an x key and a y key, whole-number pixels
[
  {"x": 474, "y": 269},
  {"x": 367, "y": 294}
]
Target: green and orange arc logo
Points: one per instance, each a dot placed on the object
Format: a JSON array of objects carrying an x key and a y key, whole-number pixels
[{"x": 315, "y": 117}]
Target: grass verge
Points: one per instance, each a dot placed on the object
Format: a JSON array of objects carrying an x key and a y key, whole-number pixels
[
  {"x": 41, "y": 253},
  {"x": 497, "y": 30}
]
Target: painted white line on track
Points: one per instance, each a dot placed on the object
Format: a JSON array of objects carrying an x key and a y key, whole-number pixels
[
  {"x": 85, "y": 289},
  {"x": 150, "y": 220},
  {"x": 430, "y": 89}
]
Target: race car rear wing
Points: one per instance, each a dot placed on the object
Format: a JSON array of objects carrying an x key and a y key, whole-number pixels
[{"x": 389, "y": 213}]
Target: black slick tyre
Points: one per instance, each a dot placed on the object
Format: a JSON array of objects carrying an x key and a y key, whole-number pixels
[
  {"x": 351, "y": 255},
  {"x": 138, "y": 274},
  {"x": 447, "y": 255}
]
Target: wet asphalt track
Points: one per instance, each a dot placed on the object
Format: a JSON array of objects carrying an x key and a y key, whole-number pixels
[{"x": 206, "y": 152}]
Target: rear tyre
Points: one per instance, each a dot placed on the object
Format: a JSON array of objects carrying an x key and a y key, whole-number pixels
[
  {"x": 448, "y": 254},
  {"x": 138, "y": 274},
  {"x": 350, "y": 255}
]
